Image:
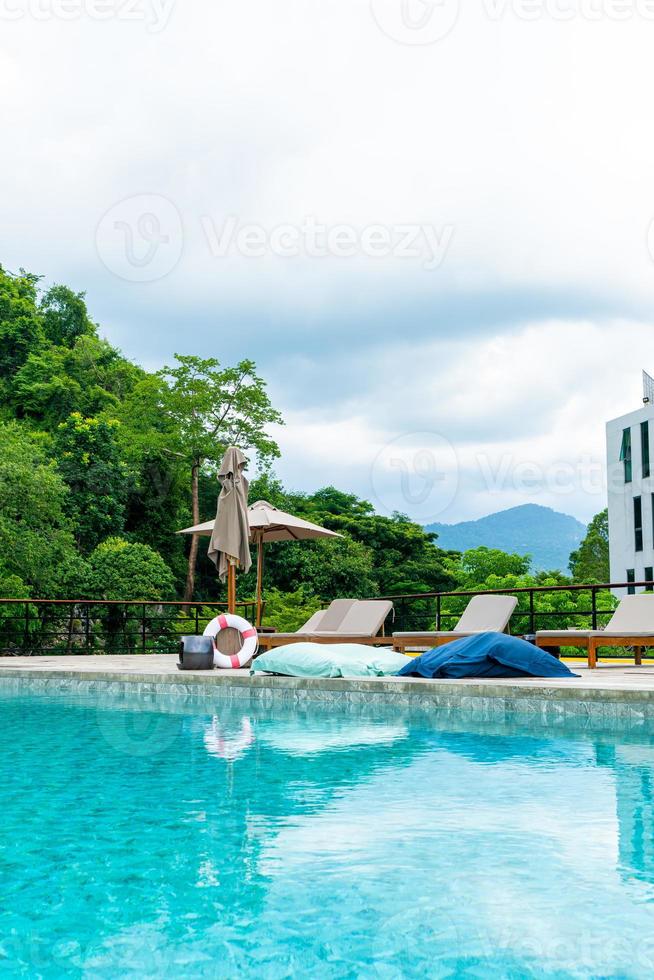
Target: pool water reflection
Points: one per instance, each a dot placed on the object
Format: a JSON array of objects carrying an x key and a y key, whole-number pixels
[{"x": 274, "y": 841}]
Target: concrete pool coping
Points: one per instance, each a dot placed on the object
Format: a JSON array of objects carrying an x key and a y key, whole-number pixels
[{"x": 611, "y": 692}]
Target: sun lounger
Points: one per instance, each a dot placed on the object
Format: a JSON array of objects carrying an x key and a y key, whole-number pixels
[
  {"x": 344, "y": 621},
  {"x": 631, "y": 625},
  {"x": 483, "y": 614}
]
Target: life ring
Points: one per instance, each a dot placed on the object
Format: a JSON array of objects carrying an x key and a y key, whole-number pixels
[{"x": 248, "y": 636}]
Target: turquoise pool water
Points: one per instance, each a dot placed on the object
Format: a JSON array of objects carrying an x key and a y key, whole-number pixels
[{"x": 222, "y": 841}]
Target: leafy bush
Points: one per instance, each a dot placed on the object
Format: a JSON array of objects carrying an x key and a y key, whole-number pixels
[
  {"x": 126, "y": 570},
  {"x": 287, "y": 611}
]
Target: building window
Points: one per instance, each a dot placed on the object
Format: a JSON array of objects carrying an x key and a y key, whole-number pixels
[
  {"x": 631, "y": 577},
  {"x": 625, "y": 454},
  {"x": 644, "y": 447},
  {"x": 649, "y": 577},
  {"x": 638, "y": 523}
]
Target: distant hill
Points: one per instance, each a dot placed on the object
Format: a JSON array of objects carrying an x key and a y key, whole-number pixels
[{"x": 545, "y": 534}]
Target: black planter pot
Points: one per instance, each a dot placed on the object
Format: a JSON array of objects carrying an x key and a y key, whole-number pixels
[{"x": 195, "y": 653}]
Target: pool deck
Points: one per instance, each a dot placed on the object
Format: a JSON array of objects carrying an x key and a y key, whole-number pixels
[{"x": 611, "y": 687}]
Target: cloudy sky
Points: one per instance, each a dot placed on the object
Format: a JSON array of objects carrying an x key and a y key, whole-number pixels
[{"x": 428, "y": 223}]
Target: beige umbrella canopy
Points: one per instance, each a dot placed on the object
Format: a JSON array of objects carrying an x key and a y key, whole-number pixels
[{"x": 268, "y": 523}]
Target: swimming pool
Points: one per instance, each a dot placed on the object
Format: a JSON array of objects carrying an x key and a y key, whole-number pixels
[{"x": 174, "y": 839}]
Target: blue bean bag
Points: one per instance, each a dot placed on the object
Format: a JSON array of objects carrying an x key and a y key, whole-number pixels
[{"x": 486, "y": 655}]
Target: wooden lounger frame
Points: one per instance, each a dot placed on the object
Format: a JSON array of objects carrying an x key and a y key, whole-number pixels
[{"x": 593, "y": 643}]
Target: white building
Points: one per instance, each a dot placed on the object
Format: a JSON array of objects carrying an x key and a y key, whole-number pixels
[{"x": 631, "y": 492}]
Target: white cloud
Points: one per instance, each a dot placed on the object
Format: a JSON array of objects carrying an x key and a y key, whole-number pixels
[
  {"x": 511, "y": 131},
  {"x": 523, "y": 412}
]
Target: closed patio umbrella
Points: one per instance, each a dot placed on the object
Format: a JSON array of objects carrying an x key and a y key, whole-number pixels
[
  {"x": 268, "y": 523},
  {"x": 230, "y": 532}
]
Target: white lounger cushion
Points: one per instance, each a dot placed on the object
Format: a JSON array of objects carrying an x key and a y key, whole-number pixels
[
  {"x": 635, "y": 614},
  {"x": 487, "y": 614},
  {"x": 483, "y": 614},
  {"x": 345, "y": 617},
  {"x": 633, "y": 617},
  {"x": 334, "y": 616},
  {"x": 312, "y": 623}
]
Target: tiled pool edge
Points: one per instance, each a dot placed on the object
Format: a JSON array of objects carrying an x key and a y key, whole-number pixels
[{"x": 480, "y": 700}]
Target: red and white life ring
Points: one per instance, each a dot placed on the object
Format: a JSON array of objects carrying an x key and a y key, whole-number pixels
[{"x": 248, "y": 636}]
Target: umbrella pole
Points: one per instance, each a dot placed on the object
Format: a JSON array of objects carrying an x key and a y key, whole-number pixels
[
  {"x": 259, "y": 577},
  {"x": 231, "y": 587}
]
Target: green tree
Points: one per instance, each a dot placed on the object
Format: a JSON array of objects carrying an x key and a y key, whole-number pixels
[
  {"x": 91, "y": 377},
  {"x": 211, "y": 408},
  {"x": 123, "y": 570},
  {"x": 157, "y": 508},
  {"x": 37, "y": 548},
  {"x": 126, "y": 570},
  {"x": 405, "y": 557},
  {"x": 326, "y": 568},
  {"x": 21, "y": 326},
  {"x": 590, "y": 562},
  {"x": 90, "y": 463},
  {"x": 64, "y": 316},
  {"x": 474, "y": 568}
]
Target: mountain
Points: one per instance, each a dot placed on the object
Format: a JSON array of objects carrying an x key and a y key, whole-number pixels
[{"x": 545, "y": 534}]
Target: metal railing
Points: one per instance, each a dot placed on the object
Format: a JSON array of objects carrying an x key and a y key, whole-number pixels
[
  {"x": 441, "y": 610},
  {"x": 82, "y": 626},
  {"x": 38, "y": 627}
]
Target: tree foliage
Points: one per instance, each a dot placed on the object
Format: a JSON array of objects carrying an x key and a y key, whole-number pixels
[
  {"x": 124, "y": 570},
  {"x": 590, "y": 562},
  {"x": 37, "y": 547},
  {"x": 65, "y": 317},
  {"x": 210, "y": 408},
  {"x": 89, "y": 462},
  {"x": 290, "y": 610},
  {"x": 21, "y": 326}
]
